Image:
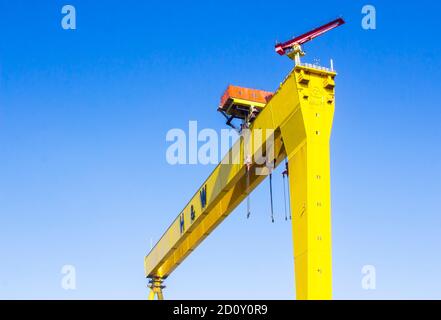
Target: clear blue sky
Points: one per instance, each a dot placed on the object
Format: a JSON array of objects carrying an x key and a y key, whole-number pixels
[{"x": 83, "y": 119}]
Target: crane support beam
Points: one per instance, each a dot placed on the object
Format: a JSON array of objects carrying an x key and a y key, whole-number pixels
[{"x": 300, "y": 115}]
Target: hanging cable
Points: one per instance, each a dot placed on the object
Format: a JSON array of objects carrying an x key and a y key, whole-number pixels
[
  {"x": 247, "y": 162},
  {"x": 248, "y": 168},
  {"x": 285, "y": 198},
  {"x": 271, "y": 196},
  {"x": 248, "y": 207},
  {"x": 270, "y": 168},
  {"x": 289, "y": 194},
  {"x": 284, "y": 173}
]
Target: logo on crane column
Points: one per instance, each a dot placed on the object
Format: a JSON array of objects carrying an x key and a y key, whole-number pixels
[
  {"x": 203, "y": 196},
  {"x": 181, "y": 222},
  {"x": 192, "y": 213}
]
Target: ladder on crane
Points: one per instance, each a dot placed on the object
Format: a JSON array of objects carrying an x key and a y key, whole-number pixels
[{"x": 299, "y": 115}]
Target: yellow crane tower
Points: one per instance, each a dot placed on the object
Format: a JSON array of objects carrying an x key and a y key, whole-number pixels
[{"x": 297, "y": 121}]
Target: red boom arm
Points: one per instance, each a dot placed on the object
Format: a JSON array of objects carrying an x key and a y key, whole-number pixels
[{"x": 282, "y": 47}]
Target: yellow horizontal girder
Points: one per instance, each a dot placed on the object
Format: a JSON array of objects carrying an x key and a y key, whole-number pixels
[{"x": 301, "y": 114}]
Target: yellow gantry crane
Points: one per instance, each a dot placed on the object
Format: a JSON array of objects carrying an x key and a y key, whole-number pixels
[{"x": 298, "y": 118}]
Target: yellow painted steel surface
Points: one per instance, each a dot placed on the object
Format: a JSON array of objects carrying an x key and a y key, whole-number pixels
[{"x": 301, "y": 114}]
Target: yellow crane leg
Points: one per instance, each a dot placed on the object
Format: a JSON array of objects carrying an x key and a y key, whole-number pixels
[
  {"x": 306, "y": 138},
  {"x": 311, "y": 223},
  {"x": 156, "y": 287}
]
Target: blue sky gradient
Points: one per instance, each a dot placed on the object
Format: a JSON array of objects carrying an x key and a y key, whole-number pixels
[{"x": 84, "y": 115}]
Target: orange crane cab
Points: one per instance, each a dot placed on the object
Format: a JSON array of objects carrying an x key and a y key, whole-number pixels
[{"x": 243, "y": 103}]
